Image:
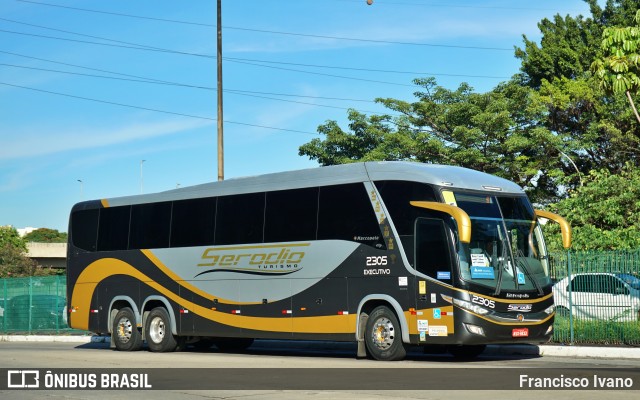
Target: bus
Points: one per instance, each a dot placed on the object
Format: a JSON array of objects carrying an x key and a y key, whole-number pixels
[{"x": 384, "y": 254}]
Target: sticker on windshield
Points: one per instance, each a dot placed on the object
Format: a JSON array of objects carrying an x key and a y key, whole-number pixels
[
  {"x": 482, "y": 272},
  {"x": 479, "y": 260},
  {"x": 443, "y": 275},
  {"x": 521, "y": 280}
]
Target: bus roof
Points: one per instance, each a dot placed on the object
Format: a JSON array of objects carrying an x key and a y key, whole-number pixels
[{"x": 440, "y": 175}]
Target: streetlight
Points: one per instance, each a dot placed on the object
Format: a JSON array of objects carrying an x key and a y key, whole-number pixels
[
  {"x": 220, "y": 125},
  {"x": 81, "y": 189},
  {"x": 141, "y": 161}
]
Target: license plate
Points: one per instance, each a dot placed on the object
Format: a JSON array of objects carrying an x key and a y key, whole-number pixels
[{"x": 520, "y": 332}]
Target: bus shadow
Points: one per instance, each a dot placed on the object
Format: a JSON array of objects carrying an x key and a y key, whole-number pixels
[{"x": 348, "y": 350}]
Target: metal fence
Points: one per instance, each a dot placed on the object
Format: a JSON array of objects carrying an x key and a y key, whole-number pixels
[
  {"x": 596, "y": 294},
  {"x": 34, "y": 305},
  {"x": 597, "y": 297}
]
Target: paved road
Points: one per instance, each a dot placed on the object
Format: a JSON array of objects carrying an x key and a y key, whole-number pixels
[{"x": 295, "y": 360}]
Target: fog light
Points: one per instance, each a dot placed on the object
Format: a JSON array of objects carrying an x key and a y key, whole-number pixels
[
  {"x": 475, "y": 329},
  {"x": 549, "y": 330}
]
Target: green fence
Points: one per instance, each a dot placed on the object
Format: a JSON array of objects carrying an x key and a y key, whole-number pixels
[
  {"x": 597, "y": 297},
  {"x": 34, "y": 305}
]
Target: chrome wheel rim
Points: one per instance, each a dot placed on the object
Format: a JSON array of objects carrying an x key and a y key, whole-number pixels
[
  {"x": 383, "y": 333},
  {"x": 157, "y": 330},
  {"x": 125, "y": 330}
]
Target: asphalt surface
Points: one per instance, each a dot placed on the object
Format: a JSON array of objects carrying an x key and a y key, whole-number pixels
[{"x": 612, "y": 352}]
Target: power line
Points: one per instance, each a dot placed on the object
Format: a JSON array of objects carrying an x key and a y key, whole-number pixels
[
  {"x": 322, "y": 74},
  {"x": 369, "y": 40},
  {"x": 117, "y": 14},
  {"x": 365, "y": 69},
  {"x": 152, "y": 48},
  {"x": 383, "y": 2},
  {"x": 238, "y": 93},
  {"x": 154, "y": 109},
  {"x": 285, "y": 33},
  {"x": 137, "y": 47},
  {"x": 207, "y": 56},
  {"x": 147, "y": 79}
]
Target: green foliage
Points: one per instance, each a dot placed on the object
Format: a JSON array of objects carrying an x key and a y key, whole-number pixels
[
  {"x": 604, "y": 213},
  {"x": 9, "y": 237},
  {"x": 46, "y": 235},
  {"x": 14, "y": 263},
  {"x": 556, "y": 129},
  {"x": 490, "y": 132}
]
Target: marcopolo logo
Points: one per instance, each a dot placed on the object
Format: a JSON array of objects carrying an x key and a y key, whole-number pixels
[{"x": 258, "y": 260}]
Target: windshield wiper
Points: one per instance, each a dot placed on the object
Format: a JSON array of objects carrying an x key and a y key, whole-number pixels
[
  {"x": 525, "y": 266},
  {"x": 501, "y": 265}
]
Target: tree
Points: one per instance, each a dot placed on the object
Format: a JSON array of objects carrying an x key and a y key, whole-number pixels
[
  {"x": 604, "y": 213},
  {"x": 46, "y": 235},
  {"x": 491, "y": 132},
  {"x": 9, "y": 237},
  {"x": 619, "y": 67},
  {"x": 13, "y": 259}
]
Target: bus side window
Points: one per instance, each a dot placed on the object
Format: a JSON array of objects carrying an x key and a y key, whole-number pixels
[
  {"x": 84, "y": 229},
  {"x": 432, "y": 247},
  {"x": 345, "y": 213},
  {"x": 150, "y": 225},
  {"x": 291, "y": 215},
  {"x": 113, "y": 228},
  {"x": 240, "y": 219}
]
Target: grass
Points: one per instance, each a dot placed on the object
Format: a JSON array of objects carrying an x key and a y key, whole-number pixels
[{"x": 596, "y": 332}]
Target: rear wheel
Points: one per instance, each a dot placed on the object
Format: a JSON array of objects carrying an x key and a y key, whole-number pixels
[
  {"x": 158, "y": 331},
  {"x": 383, "y": 337},
  {"x": 126, "y": 335}
]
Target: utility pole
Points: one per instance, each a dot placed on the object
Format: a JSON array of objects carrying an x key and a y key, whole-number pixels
[{"x": 220, "y": 117}]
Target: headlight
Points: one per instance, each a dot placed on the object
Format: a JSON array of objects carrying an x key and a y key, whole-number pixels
[
  {"x": 550, "y": 309},
  {"x": 470, "y": 307}
]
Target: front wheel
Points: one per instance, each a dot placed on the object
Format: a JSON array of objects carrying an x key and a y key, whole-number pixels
[
  {"x": 383, "y": 337},
  {"x": 126, "y": 335},
  {"x": 158, "y": 331}
]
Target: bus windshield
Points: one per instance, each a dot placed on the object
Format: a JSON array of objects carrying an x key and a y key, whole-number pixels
[{"x": 506, "y": 251}]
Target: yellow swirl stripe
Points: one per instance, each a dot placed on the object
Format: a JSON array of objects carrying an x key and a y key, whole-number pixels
[{"x": 104, "y": 268}]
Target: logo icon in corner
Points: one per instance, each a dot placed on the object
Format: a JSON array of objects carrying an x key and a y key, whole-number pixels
[{"x": 22, "y": 379}]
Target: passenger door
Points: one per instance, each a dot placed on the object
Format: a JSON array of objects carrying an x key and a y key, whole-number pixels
[{"x": 433, "y": 257}]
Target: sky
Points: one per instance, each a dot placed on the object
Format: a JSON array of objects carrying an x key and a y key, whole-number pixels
[{"x": 102, "y": 99}]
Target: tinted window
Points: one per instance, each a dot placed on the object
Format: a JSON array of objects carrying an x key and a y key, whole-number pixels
[
  {"x": 517, "y": 208},
  {"x": 291, "y": 215},
  {"x": 84, "y": 229},
  {"x": 432, "y": 248},
  {"x": 240, "y": 219},
  {"x": 193, "y": 222},
  {"x": 396, "y": 196},
  {"x": 150, "y": 224},
  {"x": 345, "y": 212},
  {"x": 113, "y": 228}
]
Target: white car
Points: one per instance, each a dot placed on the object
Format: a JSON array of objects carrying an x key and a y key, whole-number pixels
[{"x": 603, "y": 296}]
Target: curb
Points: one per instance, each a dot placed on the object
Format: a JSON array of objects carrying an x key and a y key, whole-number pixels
[{"x": 495, "y": 350}]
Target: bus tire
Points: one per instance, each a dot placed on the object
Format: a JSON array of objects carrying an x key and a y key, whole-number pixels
[
  {"x": 157, "y": 331},
  {"x": 383, "y": 336},
  {"x": 126, "y": 336}
]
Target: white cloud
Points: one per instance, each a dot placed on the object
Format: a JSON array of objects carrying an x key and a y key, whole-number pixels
[{"x": 39, "y": 141}]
